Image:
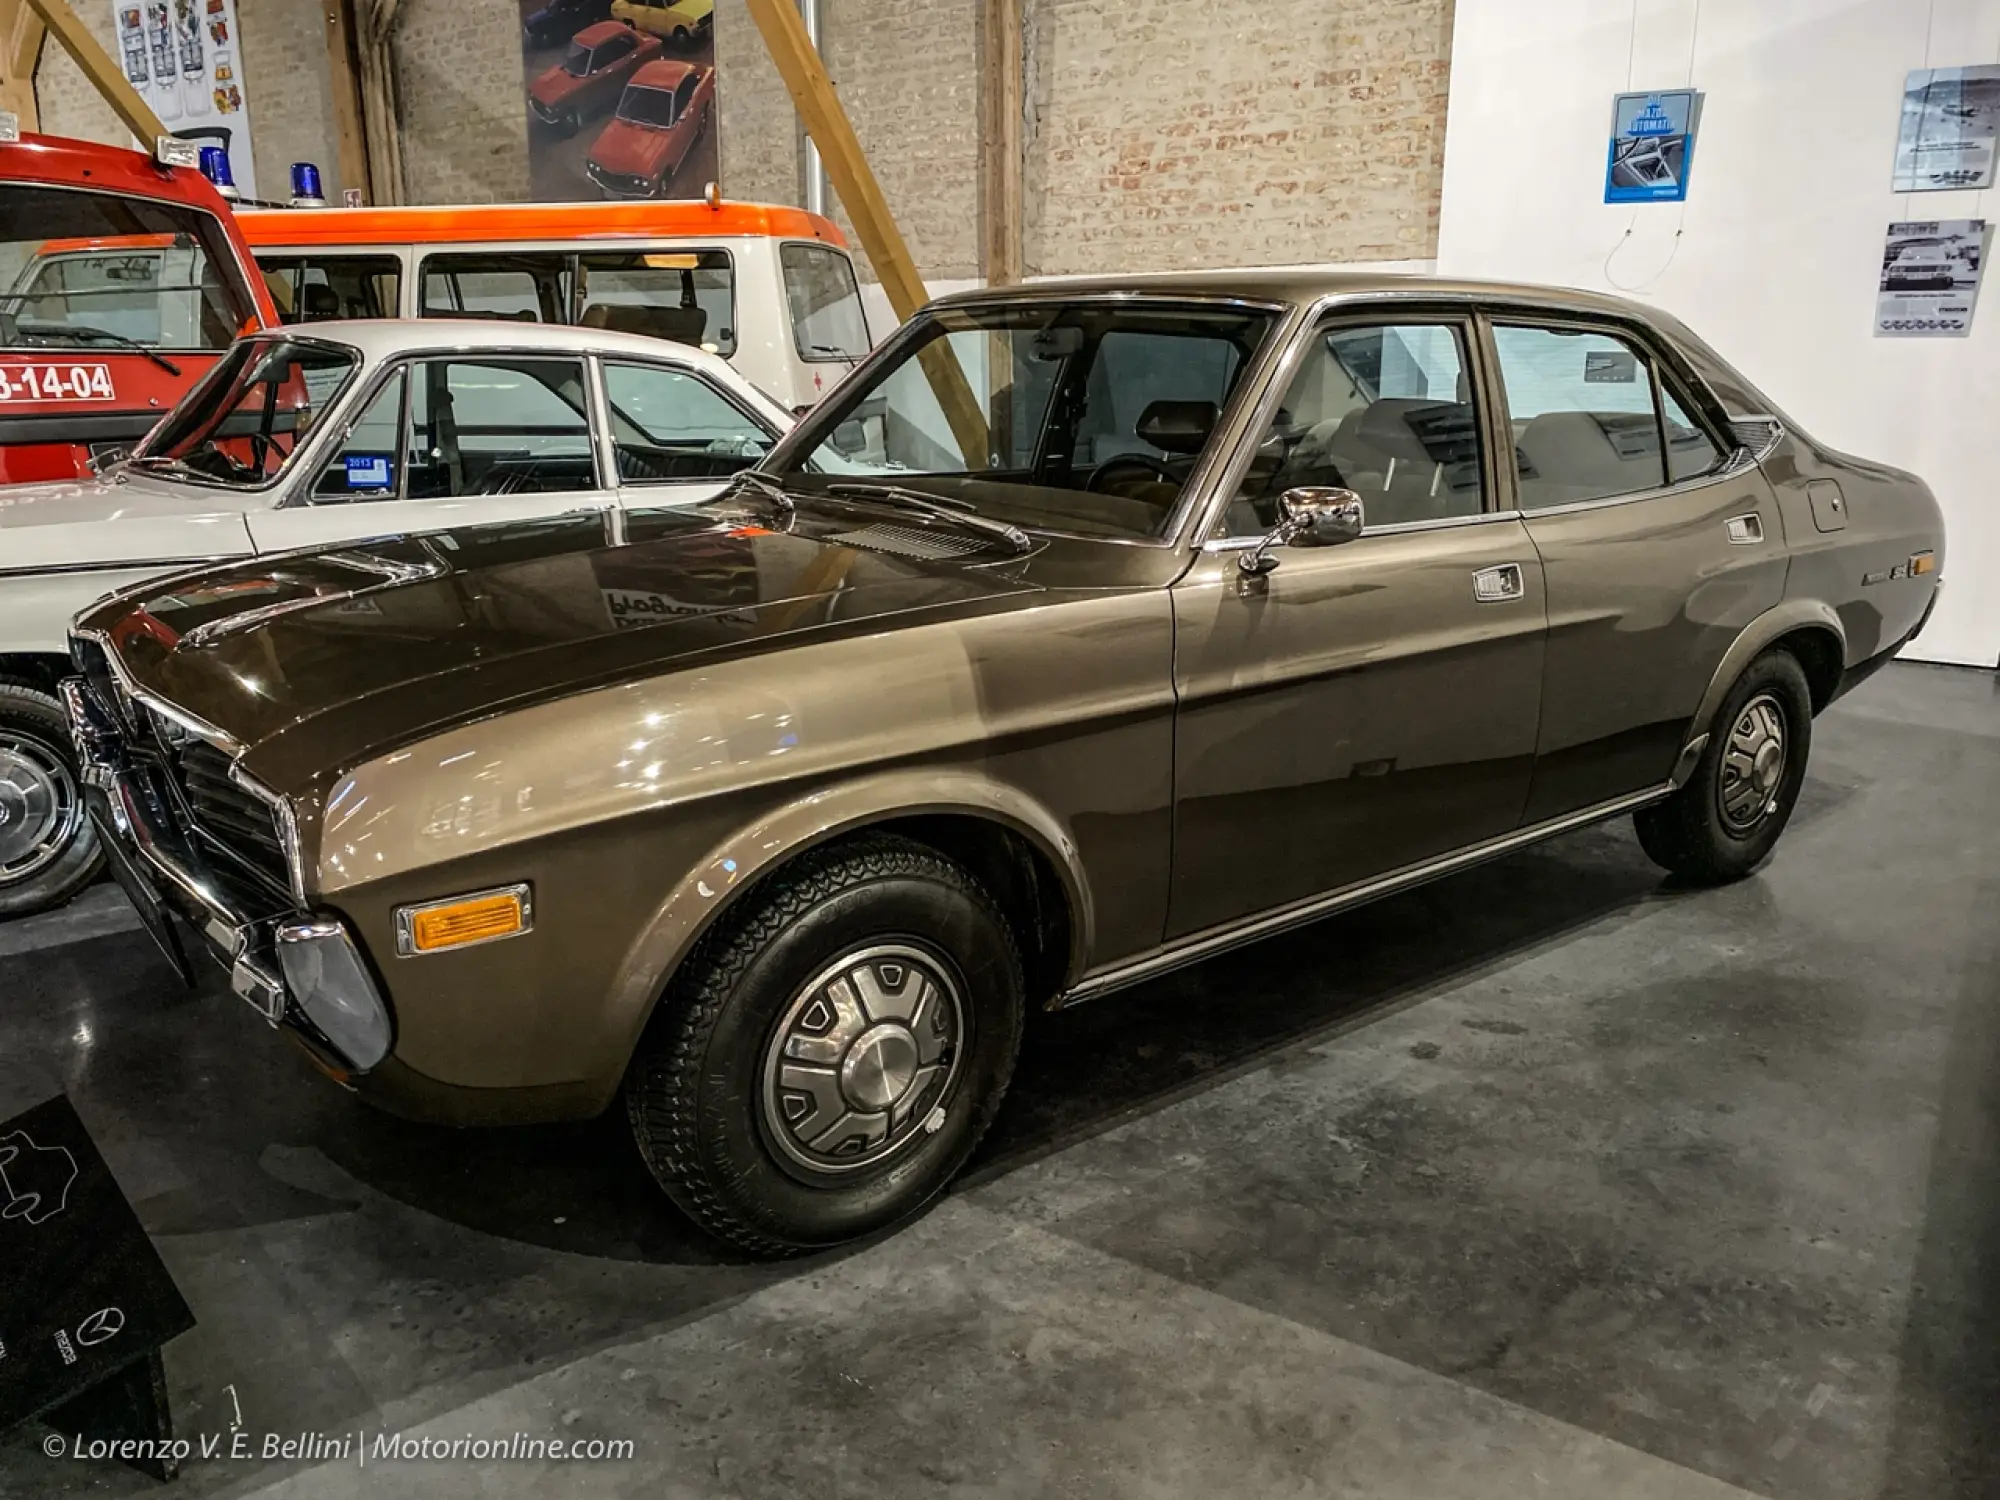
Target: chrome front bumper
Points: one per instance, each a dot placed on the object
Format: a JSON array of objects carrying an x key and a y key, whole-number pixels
[{"x": 167, "y": 876}]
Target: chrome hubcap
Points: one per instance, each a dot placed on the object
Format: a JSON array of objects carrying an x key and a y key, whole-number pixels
[
  {"x": 863, "y": 1059},
  {"x": 40, "y": 810},
  {"x": 1753, "y": 764}
]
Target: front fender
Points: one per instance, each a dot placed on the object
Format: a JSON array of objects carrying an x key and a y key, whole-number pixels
[{"x": 748, "y": 854}]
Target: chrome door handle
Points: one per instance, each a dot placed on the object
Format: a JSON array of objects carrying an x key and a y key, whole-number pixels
[
  {"x": 1746, "y": 531},
  {"x": 1498, "y": 584}
]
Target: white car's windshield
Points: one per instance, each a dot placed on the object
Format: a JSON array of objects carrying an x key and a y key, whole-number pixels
[
  {"x": 251, "y": 413},
  {"x": 1084, "y": 417}
]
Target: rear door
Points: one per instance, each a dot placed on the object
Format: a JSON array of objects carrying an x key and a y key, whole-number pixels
[
  {"x": 453, "y": 440},
  {"x": 1657, "y": 550}
]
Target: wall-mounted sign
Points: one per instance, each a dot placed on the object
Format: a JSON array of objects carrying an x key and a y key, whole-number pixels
[
  {"x": 185, "y": 59},
  {"x": 1652, "y": 146},
  {"x": 1951, "y": 118},
  {"x": 1930, "y": 279}
]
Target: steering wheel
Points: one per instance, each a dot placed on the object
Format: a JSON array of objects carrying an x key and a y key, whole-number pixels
[{"x": 1143, "y": 461}]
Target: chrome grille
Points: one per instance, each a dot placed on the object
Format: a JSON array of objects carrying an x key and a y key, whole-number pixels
[{"x": 234, "y": 822}]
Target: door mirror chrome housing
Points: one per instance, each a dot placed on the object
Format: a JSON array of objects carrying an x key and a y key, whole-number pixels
[{"x": 1310, "y": 516}]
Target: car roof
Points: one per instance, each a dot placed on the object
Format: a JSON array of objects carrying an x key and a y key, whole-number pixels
[
  {"x": 1299, "y": 285},
  {"x": 602, "y": 31},
  {"x": 662, "y": 73}
]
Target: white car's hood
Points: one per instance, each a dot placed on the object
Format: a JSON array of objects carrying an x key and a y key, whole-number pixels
[{"x": 119, "y": 518}]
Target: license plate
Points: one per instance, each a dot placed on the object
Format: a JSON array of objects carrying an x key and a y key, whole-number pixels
[
  {"x": 140, "y": 890},
  {"x": 56, "y": 382}
]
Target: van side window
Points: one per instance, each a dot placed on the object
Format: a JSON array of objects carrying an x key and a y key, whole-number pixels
[
  {"x": 313, "y": 288},
  {"x": 1580, "y": 405},
  {"x": 521, "y": 288},
  {"x": 684, "y": 296}
]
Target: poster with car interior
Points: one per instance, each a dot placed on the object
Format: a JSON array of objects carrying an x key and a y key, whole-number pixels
[
  {"x": 1930, "y": 279},
  {"x": 620, "y": 98},
  {"x": 182, "y": 57},
  {"x": 1652, "y": 146},
  {"x": 1950, "y": 125}
]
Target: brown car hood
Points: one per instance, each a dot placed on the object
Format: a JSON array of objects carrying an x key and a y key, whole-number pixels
[{"x": 317, "y": 661}]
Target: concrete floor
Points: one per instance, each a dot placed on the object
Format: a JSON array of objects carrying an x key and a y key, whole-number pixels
[{"x": 1548, "y": 1180}]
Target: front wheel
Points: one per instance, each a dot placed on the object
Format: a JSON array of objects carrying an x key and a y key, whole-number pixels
[
  {"x": 1724, "y": 822},
  {"x": 48, "y": 849},
  {"x": 830, "y": 1056}
]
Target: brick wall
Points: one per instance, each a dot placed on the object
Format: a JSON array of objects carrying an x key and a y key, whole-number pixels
[
  {"x": 1180, "y": 133},
  {"x": 465, "y": 118},
  {"x": 282, "y": 62},
  {"x": 908, "y": 73}
]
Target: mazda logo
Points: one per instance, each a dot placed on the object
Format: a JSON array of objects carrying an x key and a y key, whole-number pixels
[{"x": 106, "y": 1323}]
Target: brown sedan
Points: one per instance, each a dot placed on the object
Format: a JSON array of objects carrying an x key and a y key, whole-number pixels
[{"x": 1088, "y": 631}]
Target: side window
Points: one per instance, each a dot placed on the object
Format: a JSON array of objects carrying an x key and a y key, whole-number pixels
[
  {"x": 671, "y": 424},
  {"x": 1580, "y": 406},
  {"x": 685, "y": 296},
  {"x": 498, "y": 426},
  {"x": 369, "y": 464},
  {"x": 1690, "y": 451},
  {"x": 310, "y": 289},
  {"x": 1383, "y": 409},
  {"x": 524, "y": 288}
]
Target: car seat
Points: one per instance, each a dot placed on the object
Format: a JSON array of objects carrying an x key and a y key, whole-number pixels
[{"x": 678, "y": 325}]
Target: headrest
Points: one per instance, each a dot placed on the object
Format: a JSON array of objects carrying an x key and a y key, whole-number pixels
[
  {"x": 1178, "y": 426},
  {"x": 318, "y": 300},
  {"x": 680, "y": 325}
]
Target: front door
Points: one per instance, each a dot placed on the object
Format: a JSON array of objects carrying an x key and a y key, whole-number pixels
[
  {"x": 457, "y": 440},
  {"x": 1364, "y": 707},
  {"x": 1657, "y": 553}
]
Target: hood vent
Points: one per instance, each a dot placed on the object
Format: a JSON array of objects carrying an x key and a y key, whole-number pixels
[{"x": 908, "y": 541}]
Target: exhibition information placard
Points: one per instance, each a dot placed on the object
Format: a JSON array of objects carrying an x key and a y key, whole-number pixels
[
  {"x": 1930, "y": 279},
  {"x": 1951, "y": 117}
]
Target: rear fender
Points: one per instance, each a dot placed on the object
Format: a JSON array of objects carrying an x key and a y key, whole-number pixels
[{"x": 1756, "y": 637}]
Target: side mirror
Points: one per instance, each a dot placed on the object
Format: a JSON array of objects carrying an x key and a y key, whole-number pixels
[{"x": 1310, "y": 516}]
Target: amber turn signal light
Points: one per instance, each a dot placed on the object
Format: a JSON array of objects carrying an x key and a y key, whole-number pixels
[
  {"x": 1923, "y": 562},
  {"x": 461, "y": 921}
]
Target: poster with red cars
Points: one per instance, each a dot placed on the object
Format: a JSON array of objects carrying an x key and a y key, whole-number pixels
[{"x": 620, "y": 98}]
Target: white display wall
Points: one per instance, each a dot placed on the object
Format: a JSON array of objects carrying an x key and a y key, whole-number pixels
[{"x": 1776, "y": 253}]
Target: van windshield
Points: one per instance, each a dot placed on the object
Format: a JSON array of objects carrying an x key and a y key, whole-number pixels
[{"x": 83, "y": 270}]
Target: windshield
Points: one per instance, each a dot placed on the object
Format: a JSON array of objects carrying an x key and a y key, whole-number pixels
[
  {"x": 1085, "y": 417},
  {"x": 647, "y": 106},
  {"x": 92, "y": 270},
  {"x": 247, "y": 417},
  {"x": 577, "y": 63}
]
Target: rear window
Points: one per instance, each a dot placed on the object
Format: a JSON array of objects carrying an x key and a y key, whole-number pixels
[
  {"x": 83, "y": 270},
  {"x": 827, "y": 320}
]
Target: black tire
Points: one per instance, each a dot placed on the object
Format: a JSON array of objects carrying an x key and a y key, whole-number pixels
[
  {"x": 706, "y": 1089},
  {"x": 34, "y": 736},
  {"x": 681, "y": 37},
  {"x": 1692, "y": 833}
]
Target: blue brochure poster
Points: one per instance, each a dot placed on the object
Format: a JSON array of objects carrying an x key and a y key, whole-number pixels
[{"x": 1652, "y": 146}]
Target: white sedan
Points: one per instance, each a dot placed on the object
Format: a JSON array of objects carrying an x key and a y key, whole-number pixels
[{"x": 350, "y": 431}]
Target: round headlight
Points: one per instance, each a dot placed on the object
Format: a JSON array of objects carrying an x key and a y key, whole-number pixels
[{"x": 326, "y": 976}]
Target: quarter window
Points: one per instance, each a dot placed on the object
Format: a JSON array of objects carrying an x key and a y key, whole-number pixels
[
  {"x": 1384, "y": 410},
  {"x": 499, "y": 426},
  {"x": 671, "y": 424},
  {"x": 1586, "y": 426}
]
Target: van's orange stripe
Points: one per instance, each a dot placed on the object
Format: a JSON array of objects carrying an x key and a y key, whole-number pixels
[{"x": 483, "y": 222}]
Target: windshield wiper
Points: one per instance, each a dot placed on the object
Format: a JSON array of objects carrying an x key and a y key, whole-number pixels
[
  {"x": 957, "y": 513},
  {"x": 852, "y": 359},
  {"x": 89, "y": 331},
  {"x": 763, "y": 484}
]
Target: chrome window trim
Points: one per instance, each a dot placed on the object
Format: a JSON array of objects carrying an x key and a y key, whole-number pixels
[
  {"x": 1394, "y": 528},
  {"x": 1687, "y": 486},
  {"x": 406, "y": 918},
  {"x": 178, "y": 564}
]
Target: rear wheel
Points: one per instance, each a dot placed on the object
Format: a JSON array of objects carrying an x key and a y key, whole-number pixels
[
  {"x": 1725, "y": 821},
  {"x": 681, "y": 37},
  {"x": 828, "y": 1058},
  {"x": 48, "y": 849}
]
